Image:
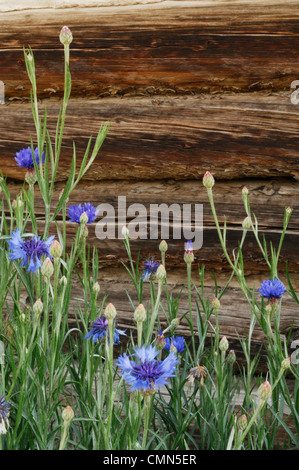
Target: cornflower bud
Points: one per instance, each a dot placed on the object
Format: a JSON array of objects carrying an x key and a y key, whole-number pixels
[
  {"x": 67, "y": 414},
  {"x": 245, "y": 193},
  {"x": 140, "y": 314},
  {"x": 223, "y": 345},
  {"x": 65, "y": 36},
  {"x": 161, "y": 273},
  {"x": 110, "y": 312},
  {"x": 38, "y": 308},
  {"x": 189, "y": 256},
  {"x": 125, "y": 232},
  {"x": 242, "y": 422},
  {"x": 246, "y": 223},
  {"x": 175, "y": 322},
  {"x": 265, "y": 391},
  {"x": 208, "y": 180},
  {"x": 96, "y": 289},
  {"x": 286, "y": 363},
  {"x": 163, "y": 247},
  {"x": 216, "y": 304},
  {"x": 83, "y": 218},
  {"x": 30, "y": 177},
  {"x": 47, "y": 268},
  {"x": 231, "y": 357},
  {"x": 55, "y": 249},
  {"x": 63, "y": 281}
]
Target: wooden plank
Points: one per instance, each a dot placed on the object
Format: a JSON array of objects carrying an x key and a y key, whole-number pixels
[
  {"x": 234, "y": 136},
  {"x": 268, "y": 198},
  {"x": 155, "y": 48},
  {"x": 234, "y": 314}
]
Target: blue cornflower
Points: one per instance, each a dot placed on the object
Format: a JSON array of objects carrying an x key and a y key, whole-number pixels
[
  {"x": 178, "y": 342},
  {"x": 146, "y": 373},
  {"x": 100, "y": 330},
  {"x": 4, "y": 414},
  {"x": 24, "y": 158},
  {"x": 29, "y": 252},
  {"x": 272, "y": 289},
  {"x": 189, "y": 256},
  {"x": 76, "y": 210},
  {"x": 189, "y": 246},
  {"x": 149, "y": 268}
]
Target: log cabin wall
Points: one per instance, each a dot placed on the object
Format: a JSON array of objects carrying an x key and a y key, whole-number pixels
[{"x": 188, "y": 86}]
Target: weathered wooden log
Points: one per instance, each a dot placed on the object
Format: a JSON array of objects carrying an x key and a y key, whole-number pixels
[
  {"x": 268, "y": 198},
  {"x": 234, "y": 315},
  {"x": 165, "y": 47},
  {"x": 233, "y": 136}
]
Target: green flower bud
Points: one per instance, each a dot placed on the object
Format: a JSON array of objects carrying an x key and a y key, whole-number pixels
[
  {"x": 265, "y": 391},
  {"x": 208, "y": 180},
  {"x": 246, "y": 223},
  {"x": 55, "y": 249},
  {"x": 63, "y": 281},
  {"x": 245, "y": 193},
  {"x": 110, "y": 312},
  {"x": 125, "y": 232},
  {"x": 163, "y": 247},
  {"x": 38, "y": 308},
  {"x": 96, "y": 289},
  {"x": 83, "y": 218},
  {"x": 231, "y": 357},
  {"x": 216, "y": 304},
  {"x": 175, "y": 322},
  {"x": 67, "y": 414},
  {"x": 161, "y": 273},
  {"x": 65, "y": 36},
  {"x": 242, "y": 422},
  {"x": 30, "y": 177},
  {"x": 140, "y": 314},
  {"x": 286, "y": 363},
  {"x": 47, "y": 268},
  {"x": 223, "y": 345}
]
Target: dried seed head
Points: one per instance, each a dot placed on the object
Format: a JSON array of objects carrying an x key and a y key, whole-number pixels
[{"x": 197, "y": 373}]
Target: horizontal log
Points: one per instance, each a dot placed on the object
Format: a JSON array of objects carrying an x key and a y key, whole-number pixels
[
  {"x": 234, "y": 136},
  {"x": 234, "y": 314},
  {"x": 155, "y": 48},
  {"x": 268, "y": 198}
]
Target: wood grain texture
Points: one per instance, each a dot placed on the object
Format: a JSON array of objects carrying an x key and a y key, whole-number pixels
[
  {"x": 234, "y": 315},
  {"x": 155, "y": 48},
  {"x": 233, "y": 136},
  {"x": 268, "y": 198}
]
